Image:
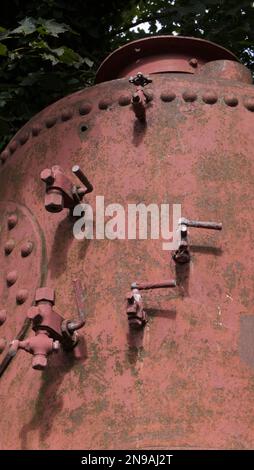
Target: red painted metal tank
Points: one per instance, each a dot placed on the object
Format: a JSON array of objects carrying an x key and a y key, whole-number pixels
[{"x": 185, "y": 378}]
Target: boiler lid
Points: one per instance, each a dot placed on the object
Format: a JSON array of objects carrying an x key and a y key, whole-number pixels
[{"x": 160, "y": 54}]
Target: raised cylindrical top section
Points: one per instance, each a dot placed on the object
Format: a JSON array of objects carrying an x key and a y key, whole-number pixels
[{"x": 160, "y": 54}]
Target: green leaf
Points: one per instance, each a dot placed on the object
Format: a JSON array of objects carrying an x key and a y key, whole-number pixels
[
  {"x": 51, "y": 27},
  {"x": 53, "y": 59},
  {"x": 68, "y": 56},
  {"x": 39, "y": 44},
  {"x": 88, "y": 62},
  {"x": 27, "y": 26},
  {"x": 58, "y": 51},
  {"x": 3, "y": 49}
]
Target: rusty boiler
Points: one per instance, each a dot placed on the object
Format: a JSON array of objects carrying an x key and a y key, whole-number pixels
[{"x": 119, "y": 344}]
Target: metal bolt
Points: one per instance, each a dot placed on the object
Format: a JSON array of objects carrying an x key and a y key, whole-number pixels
[
  {"x": 193, "y": 62},
  {"x": 249, "y": 104},
  {"x": 24, "y": 138},
  {"x": 51, "y": 121},
  {"x": 26, "y": 249},
  {"x": 4, "y": 155},
  {"x": 11, "y": 278},
  {"x": 124, "y": 100},
  {"x": 9, "y": 246},
  {"x": 210, "y": 97},
  {"x": 66, "y": 114},
  {"x": 189, "y": 96},
  {"x": 168, "y": 96},
  {"x": 12, "y": 221},
  {"x": 21, "y": 296},
  {"x": 85, "y": 108},
  {"x": 36, "y": 129},
  {"x": 231, "y": 100},
  {"x": 13, "y": 146},
  {"x": 104, "y": 104}
]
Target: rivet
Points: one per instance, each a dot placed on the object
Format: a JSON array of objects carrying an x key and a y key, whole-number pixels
[
  {"x": 66, "y": 114},
  {"x": 124, "y": 100},
  {"x": 13, "y": 146},
  {"x": 231, "y": 100},
  {"x": 4, "y": 155},
  {"x": 50, "y": 121},
  {"x": 11, "y": 278},
  {"x": 2, "y": 345},
  {"x": 193, "y": 62},
  {"x": 26, "y": 249},
  {"x": 189, "y": 96},
  {"x": 3, "y": 316},
  {"x": 104, "y": 104},
  {"x": 168, "y": 96},
  {"x": 210, "y": 97},
  {"x": 24, "y": 138},
  {"x": 9, "y": 246},
  {"x": 36, "y": 129},
  {"x": 21, "y": 296},
  {"x": 85, "y": 108},
  {"x": 249, "y": 104},
  {"x": 12, "y": 221}
]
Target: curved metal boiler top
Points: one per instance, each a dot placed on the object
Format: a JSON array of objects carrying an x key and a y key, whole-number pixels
[{"x": 185, "y": 378}]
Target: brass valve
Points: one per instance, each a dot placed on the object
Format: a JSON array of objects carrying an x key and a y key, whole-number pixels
[
  {"x": 140, "y": 98},
  {"x": 182, "y": 254},
  {"x": 137, "y": 316},
  {"x": 51, "y": 329},
  {"x": 60, "y": 191},
  {"x": 40, "y": 346}
]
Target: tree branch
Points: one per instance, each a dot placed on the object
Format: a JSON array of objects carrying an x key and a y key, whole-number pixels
[{"x": 143, "y": 20}]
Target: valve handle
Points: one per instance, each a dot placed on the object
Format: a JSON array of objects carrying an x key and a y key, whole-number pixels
[
  {"x": 153, "y": 285},
  {"x": 76, "y": 170},
  {"x": 79, "y": 294},
  {"x": 140, "y": 80},
  {"x": 200, "y": 224}
]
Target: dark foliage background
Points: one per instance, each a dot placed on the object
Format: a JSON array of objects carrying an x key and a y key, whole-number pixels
[{"x": 50, "y": 48}]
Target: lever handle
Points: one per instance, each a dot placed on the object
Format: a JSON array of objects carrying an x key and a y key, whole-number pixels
[
  {"x": 153, "y": 285},
  {"x": 200, "y": 224},
  {"x": 76, "y": 170},
  {"x": 79, "y": 294}
]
